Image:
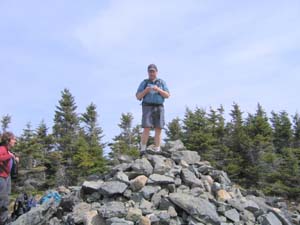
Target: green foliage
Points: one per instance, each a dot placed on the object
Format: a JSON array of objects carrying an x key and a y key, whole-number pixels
[
  {"x": 127, "y": 142},
  {"x": 66, "y": 125},
  {"x": 255, "y": 151},
  {"x": 5, "y": 121},
  {"x": 29, "y": 147},
  {"x": 174, "y": 130},
  {"x": 89, "y": 157}
]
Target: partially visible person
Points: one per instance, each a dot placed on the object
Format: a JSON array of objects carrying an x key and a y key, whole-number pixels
[
  {"x": 152, "y": 92},
  {"x": 7, "y": 142}
]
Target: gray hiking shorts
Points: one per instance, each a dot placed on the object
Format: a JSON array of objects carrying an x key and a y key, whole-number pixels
[{"x": 153, "y": 116}]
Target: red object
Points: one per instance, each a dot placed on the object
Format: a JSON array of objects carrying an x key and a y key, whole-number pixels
[{"x": 5, "y": 157}]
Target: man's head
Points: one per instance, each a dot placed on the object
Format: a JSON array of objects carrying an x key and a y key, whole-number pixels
[
  {"x": 152, "y": 71},
  {"x": 8, "y": 139}
]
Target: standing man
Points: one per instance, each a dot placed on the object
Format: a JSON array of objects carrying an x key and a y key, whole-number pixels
[
  {"x": 153, "y": 92},
  {"x": 8, "y": 141}
]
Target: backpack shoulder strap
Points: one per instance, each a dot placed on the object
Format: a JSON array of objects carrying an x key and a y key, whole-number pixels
[{"x": 146, "y": 81}]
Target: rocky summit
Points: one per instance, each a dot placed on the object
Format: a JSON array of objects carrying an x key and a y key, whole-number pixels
[{"x": 169, "y": 187}]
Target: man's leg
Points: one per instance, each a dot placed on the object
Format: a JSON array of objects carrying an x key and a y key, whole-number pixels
[
  {"x": 157, "y": 138},
  {"x": 144, "y": 138}
]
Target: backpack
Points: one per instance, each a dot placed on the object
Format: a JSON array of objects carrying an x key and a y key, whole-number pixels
[
  {"x": 14, "y": 169},
  {"x": 20, "y": 206}
]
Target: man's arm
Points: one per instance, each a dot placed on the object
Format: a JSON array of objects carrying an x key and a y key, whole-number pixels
[
  {"x": 141, "y": 95},
  {"x": 162, "y": 92}
]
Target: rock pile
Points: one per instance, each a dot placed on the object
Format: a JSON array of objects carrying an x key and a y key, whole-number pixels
[{"x": 171, "y": 187}]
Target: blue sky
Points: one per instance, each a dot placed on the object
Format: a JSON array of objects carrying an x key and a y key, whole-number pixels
[{"x": 209, "y": 53}]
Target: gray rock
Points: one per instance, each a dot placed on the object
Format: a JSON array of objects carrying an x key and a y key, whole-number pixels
[
  {"x": 121, "y": 176},
  {"x": 270, "y": 219},
  {"x": 160, "y": 179},
  {"x": 113, "y": 209},
  {"x": 121, "y": 167},
  {"x": 118, "y": 221},
  {"x": 146, "y": 207},
  {"x": 161, "y": 164},
  {"x": 251, "y": 206},
  {"x": 221, "y": 177},
  {"x": 233, "y": 215},
  {"x": 173, "y": 146},
  {"x": 142, "y": 167},
  {"x": 79, "y": 212},
  {"x": 88, "y": 187},
  {"x": 134, "y": 214},
  {"x": 110, "y": 188},
  {"x": 190, "y": 157},
  {"x": 189, "y": 178},
  {"x": 196, "y": 207},
  {"x": 38, "y": 215},
  {"x": 125, "y": 158},
  {"x": 149, "y": 190},
  {"x": 156, "y": 198}
]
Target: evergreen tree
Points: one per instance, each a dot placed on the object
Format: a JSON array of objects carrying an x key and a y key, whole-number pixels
[
  {"x": 174, "y": 130},
  {"x": 259, "y": 132},
  {"x": 44, "y": 138},
  {"x": 237, "y": 144},
  {"x": 296, "y": 131},
  {"x": 197, "y": 135},
  {"x": 66, "y": 125},
  {"x": 216, "y": 126},
  {"x": 30, "y": 149},
  {"x": 89, "y": 156},
  {"x": 127, "y": 142},
  {"x": 5, "y": 121},
  {"x": 282, "y": 130}
]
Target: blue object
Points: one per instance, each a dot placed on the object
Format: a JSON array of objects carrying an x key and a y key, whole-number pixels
[{"x": 52, "y": 195}]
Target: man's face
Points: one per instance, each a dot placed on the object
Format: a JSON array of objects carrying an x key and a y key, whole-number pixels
[
  {"x": 12, "y": 142},
  {"x": 152, "y": 74}
]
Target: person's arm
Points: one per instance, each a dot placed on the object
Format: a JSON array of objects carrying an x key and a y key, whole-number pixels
[
  {"x": 164, "y": 91},
  {"x": 4, "y": 156},
  {"x": 141, "y": 95}
]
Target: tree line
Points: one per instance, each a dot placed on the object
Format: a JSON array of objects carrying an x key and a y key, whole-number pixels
[{"x": 256, "y": 150}]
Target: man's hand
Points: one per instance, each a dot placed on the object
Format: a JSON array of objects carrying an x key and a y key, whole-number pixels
[
  {"x": 156, "y": 88},
  {"x": 147, "y": 90}
]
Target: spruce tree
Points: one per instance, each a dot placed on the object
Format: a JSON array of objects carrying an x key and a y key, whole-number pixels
[
  {"x": 5, "y": 121},
  {"x": 66, "y": 125},
  {"x": 127, "y": 142},
  {"x": 174, "y": 130},
  {"x": 260, "y": 147},
  {"x": 89, "y": 156},
  {"x": 197, "y": 135},
  {"x": 30, "y": 149},
  {"x": 296, "y": 130},
  {"x": 282, "y": 130},
  {"x": 237, "y": 144}
]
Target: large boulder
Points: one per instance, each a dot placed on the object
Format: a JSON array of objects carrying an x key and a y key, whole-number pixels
[
  {"x": 142, "y": 167},
  {"x": 160, "y": 179},
  {"x": 190, "y": 157},
  {"x": 197, "y": 207},
  {"x": 113, "y": 209},
  {"x": 110, "y": 188}
]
